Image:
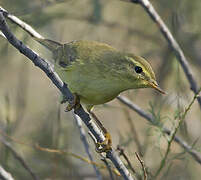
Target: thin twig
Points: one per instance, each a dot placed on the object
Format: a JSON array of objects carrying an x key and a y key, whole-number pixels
[
  {"x": 57, "y": 151},
  {"x": 142, "y": 164},
  {"x": 108, "y": 167},
  {"x": 85, "y": 143},
  {"x": 47, "y": 68},
  {"x": 122, "y": 153},
  {"x": 20, "y": 23},
  {"x": 4, "y": 175},
  {"x": 173, "y": 134},
  {"x": 7, "y": 116},
  {"x": 195, "y": 154},
  {"x": 19, "y": 158},
  {"x": 172, "y": 42},
  {"x": 133, "y": 131}
]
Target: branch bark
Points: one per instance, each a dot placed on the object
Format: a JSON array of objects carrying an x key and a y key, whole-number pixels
[
  {"x": 86, "y": 145},
  {"x": 4, "y": 175}
]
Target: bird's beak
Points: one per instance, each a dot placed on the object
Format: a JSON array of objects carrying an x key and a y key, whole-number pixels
[{"x": 156, "y": 86}]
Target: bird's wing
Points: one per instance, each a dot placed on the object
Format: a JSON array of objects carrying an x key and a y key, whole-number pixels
[{"x": 81, "y": 52}]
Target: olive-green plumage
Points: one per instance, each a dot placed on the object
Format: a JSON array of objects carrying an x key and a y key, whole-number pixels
[{"x": 97, "y": 72}]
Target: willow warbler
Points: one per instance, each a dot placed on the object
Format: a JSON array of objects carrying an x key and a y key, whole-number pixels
[{"x": 97, "y": 72}]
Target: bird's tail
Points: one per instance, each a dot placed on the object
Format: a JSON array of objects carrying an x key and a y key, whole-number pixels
[{"x": 49, "y": 44}]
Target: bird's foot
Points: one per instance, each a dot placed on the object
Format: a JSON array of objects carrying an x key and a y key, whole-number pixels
[
  {"x": 106, "y": 145},
  {"x": 63, "y": 99},
  {"x": 75, "y": 104}
]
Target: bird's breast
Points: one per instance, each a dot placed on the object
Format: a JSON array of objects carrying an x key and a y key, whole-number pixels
[{"x": 93, "y": 86}]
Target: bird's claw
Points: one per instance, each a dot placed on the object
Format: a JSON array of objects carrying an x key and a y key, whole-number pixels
[
  {"x": 74, "y": 105},
  {"x": 64, "y": 100},
  {"x": 104, "y": 146}
]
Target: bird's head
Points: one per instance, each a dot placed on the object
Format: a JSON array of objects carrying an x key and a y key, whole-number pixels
[{"x": 139, "y": 73}]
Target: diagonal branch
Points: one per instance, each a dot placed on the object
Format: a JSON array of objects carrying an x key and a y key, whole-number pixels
[
  {"x": 20, "y": 159},
  {"x": 172, "y": 42},
  {"x": 47, "y": 68},
  {"x": 195, "y": 154},
  {"x": 86, "y": 145},
  {"x": 4, "y": 175}
]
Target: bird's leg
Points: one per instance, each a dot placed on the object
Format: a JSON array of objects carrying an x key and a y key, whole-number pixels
[
  {"x": 106, "y": 145},
  {"x": 62, "y": 99},
  {"x": 75, "y": 104}
]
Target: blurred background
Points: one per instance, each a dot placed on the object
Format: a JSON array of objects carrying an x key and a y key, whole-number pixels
[{"x": 30, "y": 111}]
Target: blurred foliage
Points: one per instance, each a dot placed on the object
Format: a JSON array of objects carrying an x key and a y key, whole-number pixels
[{"x": 29, "y": 105}]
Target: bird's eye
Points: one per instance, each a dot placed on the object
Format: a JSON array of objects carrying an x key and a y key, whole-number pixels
[{"x": 138, "y": 69}]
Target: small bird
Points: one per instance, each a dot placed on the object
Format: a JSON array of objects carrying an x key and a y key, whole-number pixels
[{"x": 97, "y": 73}]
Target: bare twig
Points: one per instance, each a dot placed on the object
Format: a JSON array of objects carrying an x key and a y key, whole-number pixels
[
  {"x": 57, "y": 151},
  {"x": 47, "y": 68},
  {"x": 195, "y": 154},
  {"x": 20, "y": 23},
  {"x": 142, "y": 164},
  {"x": 7, "y": 116},
  {"x": 4, "y": 175},
  {"x": 133, "y": 131},
  {"x": 173, "y": 134},
  {"x": 85, "y": 143},
  {"x": 122, "y": 153},
  {"x": 19, "y": 158},
  {"x": 172, "y": 42},
  {"x": 108, "y": 167}
]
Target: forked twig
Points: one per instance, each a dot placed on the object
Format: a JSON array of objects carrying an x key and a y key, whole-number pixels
[
  {"x": 173, "y": 134},
  {"x": 122, "y": 153},
  {"x": 188, "y": 148},
  {"x": 142, "y": 164}
]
